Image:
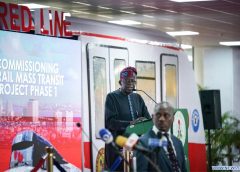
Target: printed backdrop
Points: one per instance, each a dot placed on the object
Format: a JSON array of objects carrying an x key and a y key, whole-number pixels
[{"x": 40, "y": 95}]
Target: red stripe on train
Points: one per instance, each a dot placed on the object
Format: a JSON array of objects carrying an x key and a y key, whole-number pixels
[
  {"x": 119, "y": 38},
  {"x": 99, "y": 35},
  {"x": 87, "y": 154},
  {"x": 197, "y": 157}
]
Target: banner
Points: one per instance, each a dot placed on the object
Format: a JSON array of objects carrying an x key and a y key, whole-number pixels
[
  {"x": 40, "y": 99},
  {"x": 180, "y": 130}
]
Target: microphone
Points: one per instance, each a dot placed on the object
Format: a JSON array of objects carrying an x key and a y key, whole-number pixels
[
  {"x": 130, "y": 143},
  {"x": 152, "y": 142},
  {"x": 145, "y": 94},
  {"x": 116, "y": 163},
  {"x": 106, "y": 136}
]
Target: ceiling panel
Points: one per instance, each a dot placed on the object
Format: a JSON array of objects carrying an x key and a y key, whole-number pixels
[{"x": 216, "y": 21}]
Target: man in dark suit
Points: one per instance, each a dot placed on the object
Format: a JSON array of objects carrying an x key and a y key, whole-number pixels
[
  {"x": 122, "y": 108},
  {"x": 169, "y": 158}
]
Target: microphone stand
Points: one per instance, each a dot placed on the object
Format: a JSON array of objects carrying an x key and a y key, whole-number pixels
[
  {"x": 107, "y": 137},
  {"x": 151, "y": 157},
  {"x": 154, "y": 165},
  {"x": 119, "y": 154},
  {"x": 152, "y": 160},
  {"x": 145, "y": 94}
]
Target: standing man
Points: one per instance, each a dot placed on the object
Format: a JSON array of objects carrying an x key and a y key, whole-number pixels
[
  {"x": 122, "y": 108},
  {"x": 170, "y": 158}
]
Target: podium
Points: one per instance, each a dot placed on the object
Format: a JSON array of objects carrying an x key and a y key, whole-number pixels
[{"x": 139, "y": 128}]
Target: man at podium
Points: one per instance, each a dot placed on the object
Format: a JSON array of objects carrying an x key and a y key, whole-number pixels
[
  {"x": 169, "y": 157},
  {"x": 122, "y": 108}
]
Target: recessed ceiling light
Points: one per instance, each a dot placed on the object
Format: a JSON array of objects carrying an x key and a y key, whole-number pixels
[
  {"x": 104, "y": 16},
  {"x": 104, "y": 7},
  {"x": 128, "y": 12},
  {"x": 148, "y": 16},
  {"x": 148, "y": 6},
  {"x": 34, "y": 6},
  {"x": 230, "y": 43},
  {"x": 190, "y": 0},
  {"x": 125, "y": 22},
  {"x": 170, "y": 11},
  {"x": 147, "y": 24},
  {"x": 81, "y": 3},
  {"x": 182, "y": 33},
  {"x": 80, "y": 12}
]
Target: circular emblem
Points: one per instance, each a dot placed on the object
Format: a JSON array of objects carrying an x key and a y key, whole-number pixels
[
  {"x": 195, "y": 120},
  {"x": 100, "y": 160},
  {"x": 179, "y": 126}
]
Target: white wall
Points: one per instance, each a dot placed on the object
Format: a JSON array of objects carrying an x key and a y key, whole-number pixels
[
  {"x": 218, "y": 74},
  {"x": 198, "y": 65},
  {"x": 219, "y": 68}
]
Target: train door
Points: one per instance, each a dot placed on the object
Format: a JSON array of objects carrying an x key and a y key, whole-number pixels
[
  {"x": 169, "y": 79},
  {"x": 118, "y": 60},
  {"x": 146, "y": 79},
  {"x": 104, "y": 65}
]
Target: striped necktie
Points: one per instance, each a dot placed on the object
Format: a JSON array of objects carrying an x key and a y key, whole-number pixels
[{"x": 171, "y": 155}]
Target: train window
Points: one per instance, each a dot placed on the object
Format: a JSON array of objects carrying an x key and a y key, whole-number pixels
[
  {"x": 100, "y": 90},
  {"x": 146, "y": 81},
  {"x": 119, "y": 64},
  {"x": 171, "y": 84}
]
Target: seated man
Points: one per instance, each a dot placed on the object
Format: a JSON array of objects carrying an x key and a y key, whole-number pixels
[{"x": 166, "y": 159}]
